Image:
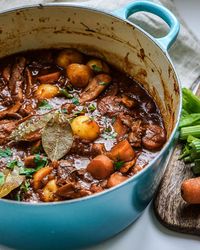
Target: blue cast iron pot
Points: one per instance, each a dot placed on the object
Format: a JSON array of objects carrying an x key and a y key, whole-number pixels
[{"x": 90, "y": 220}]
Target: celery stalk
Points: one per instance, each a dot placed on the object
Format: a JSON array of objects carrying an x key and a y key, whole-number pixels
[
  {"x": 191, "y": 103},
  {"x": 196, "y": 167},
  {"x": 192, "y": 130}
]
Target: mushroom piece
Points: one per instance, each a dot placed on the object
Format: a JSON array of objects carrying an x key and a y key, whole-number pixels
[{"x": 95, "y": 87}]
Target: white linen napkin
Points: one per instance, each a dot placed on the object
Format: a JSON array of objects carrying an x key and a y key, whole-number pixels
[{"x": 185, "y": 53}]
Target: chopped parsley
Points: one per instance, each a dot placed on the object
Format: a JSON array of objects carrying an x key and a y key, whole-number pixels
[
  {"x": 2, "y": 178},
  {"x": 28, "y": 171},
  {"x": 75, "y": 101},
  {"x": 5, "y": 153},
  {"x": 65, "y": 93},
  {"x": 113, "y": 119},
  {"x": 40, "y": 161},
  {"x": 103, "y": 83},
  {"x": 25, "y": 186},
  {"x": 69, "y": 87},
  {"x": 118, "y": 165},
  {"x": 44, "y": 105},
  {"x": 14, "y": 163},
  {"x": 109, "y": 135},
  {"x": 64, "y": 111},
  {"x": 96, "y": 68},
  {"x": 92, "y": 108},
  {"x": 80, "y": 112}
]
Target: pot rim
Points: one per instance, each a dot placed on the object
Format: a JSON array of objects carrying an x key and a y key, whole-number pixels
[{"x": 167, "y": 144}]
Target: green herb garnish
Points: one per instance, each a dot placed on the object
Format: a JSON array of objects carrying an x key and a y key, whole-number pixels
[
  {"x": 14, "y": 163},
  {"x": 118, "y": 165},
  {"x": 25, "y": 186},
  {"x": 92, "y": 108},
  {"x": 45, "y": 105},
  {"x": 2, "y": 178},
  {"x": 28, "y": 171},
  {"x": 109, "y": 135},
  {"x": 5, "y": 153},
  {"x": 64, "y": 111},
  {"x": 75, "y": 101},
  {"x": 96, "y": 68},
  {"x": 103, "y": 83},
  {"x": 65, "y": 93},
  {"x": 80, "y": 112},
  {"x": 40, "y": 161}
]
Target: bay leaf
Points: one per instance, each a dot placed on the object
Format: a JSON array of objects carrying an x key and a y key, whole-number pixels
[
  {"x": 12, "y": 180},
  {"x": 57, "y": 137},
  {"x": 31, "y": 125}
]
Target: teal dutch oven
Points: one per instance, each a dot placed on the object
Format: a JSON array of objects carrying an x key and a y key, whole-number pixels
[{"x": 87, "y": 221}]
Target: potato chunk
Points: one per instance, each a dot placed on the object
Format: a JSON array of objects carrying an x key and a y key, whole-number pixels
[
  {"x": 46, "y": 91},
  {"x": 86, "y": 128},
  {"x": 79, "y": 74},
  {"x": 68, "y": 56},
  {"x": 49, "y": 191}
]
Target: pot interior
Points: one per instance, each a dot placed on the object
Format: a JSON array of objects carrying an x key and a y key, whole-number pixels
[{"x": 99, "y": 34}]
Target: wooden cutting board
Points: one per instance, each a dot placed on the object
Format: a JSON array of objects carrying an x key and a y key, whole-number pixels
[{"x": 170, "y": 209}]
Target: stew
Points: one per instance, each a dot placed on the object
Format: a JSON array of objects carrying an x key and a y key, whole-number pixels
[{"x": 71, "y": 125}]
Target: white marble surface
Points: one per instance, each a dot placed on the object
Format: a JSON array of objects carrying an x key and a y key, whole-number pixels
[{"x": 147, "y": 233}]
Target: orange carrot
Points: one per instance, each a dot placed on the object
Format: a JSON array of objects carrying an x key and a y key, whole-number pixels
[
  {"x": 100, "y": 167},
  {"x": 122, "y": 152},
  {"x": 49, "y": 78},
  {"x": 39, "y": 175},
  {"x": 190, "y": 190},
  {"x": 116, "y": 179}
]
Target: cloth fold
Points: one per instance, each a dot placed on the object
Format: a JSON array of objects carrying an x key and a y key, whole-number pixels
[{"x": 185, "y": 53}]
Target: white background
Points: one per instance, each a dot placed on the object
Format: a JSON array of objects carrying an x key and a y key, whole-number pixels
[{"x": 147, "y": 233}]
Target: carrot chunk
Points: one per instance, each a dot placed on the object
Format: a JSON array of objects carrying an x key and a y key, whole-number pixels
[
  {"x": 190, "y": 190},
  {"x": 116, "y": 179},
  {"x": 39, "y": 175},
  {"x": 122, "y": 152},
  {"x": 49, "y": 78},
  {"x": 100, "y": 167}
]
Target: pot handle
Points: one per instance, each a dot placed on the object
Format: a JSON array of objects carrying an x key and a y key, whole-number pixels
[{"x": 166, "y": 41}]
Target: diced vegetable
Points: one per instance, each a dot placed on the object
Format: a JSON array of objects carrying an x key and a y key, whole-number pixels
[
  {"x": 192, "y": 130},
  {"x": 100, "y": 167},
  {"x": 2, "y": 178},
  {"x": 39, "y": 175},
  {"x": 49, "y": 191},
  {"x": 189, "y": 119},
  {"x": 65, "y": 93},
  {"x": 79, "y": 74},
  {"x": 122, "y": 152},
  {"x": 191, "y": 103},
  {"x": 44, "y": 104},
  {"x": 98, "y": 66},
  {"x": 68, "y": 56},
  {"x": 190, "y": 190},
  {"x": 46, "y": 91},
  {"x": 4, "y": 153},
  {"x": 116, "y": 179},
  {"x": 85, "y": 127},
  {"x": 49, "y": 78}
]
